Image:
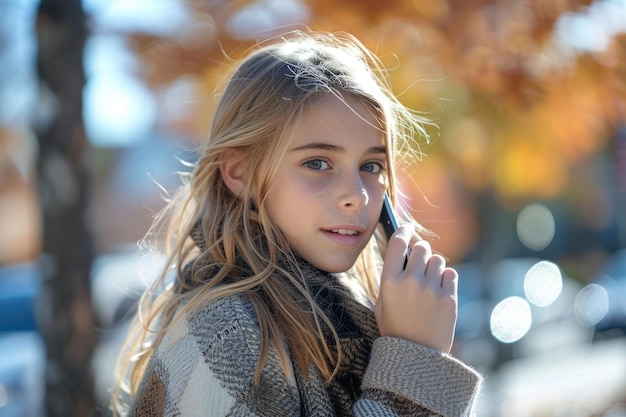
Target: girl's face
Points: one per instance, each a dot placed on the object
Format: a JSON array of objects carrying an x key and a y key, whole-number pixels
[{"x": 328, "y": 191}]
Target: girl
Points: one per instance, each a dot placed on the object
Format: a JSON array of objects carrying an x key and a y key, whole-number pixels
[{"x": 274, "y": 303}]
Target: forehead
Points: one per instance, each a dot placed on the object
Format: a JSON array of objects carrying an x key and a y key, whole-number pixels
[{"x": 348, "y": 121}]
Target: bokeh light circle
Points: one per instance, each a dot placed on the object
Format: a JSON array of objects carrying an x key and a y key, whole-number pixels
[
  {"x": 543, "y": 283},
  {"x": 510, "y": 319},
  {"x": 591, "y": 305},
  {"x": 535, "y": 226}
]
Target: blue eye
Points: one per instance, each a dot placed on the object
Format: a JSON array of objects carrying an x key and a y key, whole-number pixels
[
  {"x": 316, "y": 164},
  {"x": 372, "y": 167}
]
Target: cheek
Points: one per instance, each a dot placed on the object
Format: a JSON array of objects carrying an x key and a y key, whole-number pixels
[
  {"x": 376, "y": 193},
  {"x": 285, "y": 201},
  {"x": 376, "y": 189},
  {"x": 307, "y": 188}
]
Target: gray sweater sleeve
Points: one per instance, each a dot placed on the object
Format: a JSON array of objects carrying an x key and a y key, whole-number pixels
[{"x": 401, "y": 371}]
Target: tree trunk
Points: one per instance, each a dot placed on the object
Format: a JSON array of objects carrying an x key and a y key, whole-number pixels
[{"x": 65, "y": 314}]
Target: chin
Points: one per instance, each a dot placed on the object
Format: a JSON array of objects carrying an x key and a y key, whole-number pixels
[
  {"x": 335, "y": 267},
  {"x": 332, "y": 262}
]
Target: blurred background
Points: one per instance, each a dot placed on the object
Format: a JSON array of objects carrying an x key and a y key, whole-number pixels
[{"x": 524, "y": 180}]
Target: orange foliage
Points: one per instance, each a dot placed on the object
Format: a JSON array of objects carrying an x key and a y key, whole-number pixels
[
  {"x": 515, "y": 112},
  {"x": 435, "y": 203}
]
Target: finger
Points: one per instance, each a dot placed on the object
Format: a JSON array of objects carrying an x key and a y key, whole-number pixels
[
  {"x": 418, "y": 259},
  {"x": 434, "y": 270},
  {"x": 414, "y": 239},
  {"x": 397, "y": 249},
  {"x": 449, "y": 281}
]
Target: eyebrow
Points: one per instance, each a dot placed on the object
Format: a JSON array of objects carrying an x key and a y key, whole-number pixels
[{"x": 335, "y": 148}]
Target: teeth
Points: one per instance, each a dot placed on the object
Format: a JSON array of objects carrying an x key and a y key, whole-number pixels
[{"x": 345, "y": 232}]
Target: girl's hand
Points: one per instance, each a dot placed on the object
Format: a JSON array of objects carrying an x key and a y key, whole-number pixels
[{"x": 417, "y": 303}]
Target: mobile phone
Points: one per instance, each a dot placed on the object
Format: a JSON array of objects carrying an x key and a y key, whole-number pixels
[
  {"x": 388, "y": 218},
  {"x": 390, "y": 224}
]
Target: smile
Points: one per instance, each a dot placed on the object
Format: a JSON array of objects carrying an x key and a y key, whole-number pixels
[
  {"x": 345, "y": 231},
  {"x": 345, "y": 237}
]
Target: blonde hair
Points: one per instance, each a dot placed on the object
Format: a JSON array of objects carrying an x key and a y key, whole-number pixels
[{"x": 210, "y": 229}]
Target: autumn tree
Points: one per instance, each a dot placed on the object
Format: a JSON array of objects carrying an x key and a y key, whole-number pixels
[{"x": 516, "y": 108}]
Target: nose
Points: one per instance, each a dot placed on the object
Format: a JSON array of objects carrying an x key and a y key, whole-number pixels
[{"x": 353, "y": 195}]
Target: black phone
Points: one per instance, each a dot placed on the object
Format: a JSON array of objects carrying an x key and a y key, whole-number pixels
[
  {"x": 390, "y": 224},
  {"x": 388, "y": 218}
]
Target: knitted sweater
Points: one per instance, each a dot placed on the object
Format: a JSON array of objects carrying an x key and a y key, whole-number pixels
[{"x": 206, "y": 367}]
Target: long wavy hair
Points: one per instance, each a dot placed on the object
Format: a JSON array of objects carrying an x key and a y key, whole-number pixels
[{"x": 208, "y": 228}]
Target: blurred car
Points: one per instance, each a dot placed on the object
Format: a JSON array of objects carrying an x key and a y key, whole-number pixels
[{"x": 22, "y": 351}]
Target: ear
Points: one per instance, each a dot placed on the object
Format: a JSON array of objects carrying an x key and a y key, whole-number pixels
[{"x": 233, "y": 166}]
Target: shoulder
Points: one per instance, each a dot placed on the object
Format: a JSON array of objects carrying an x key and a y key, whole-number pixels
[
  {"x": 226, "y": 327},
  {"x": 218, "y": 342},
  {"x": 223, "y": 315},
  {"x": 208, "y": 360}
]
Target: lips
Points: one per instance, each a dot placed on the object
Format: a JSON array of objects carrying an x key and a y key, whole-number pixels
[
  {"x": 347, "y": 232},
  {"x": 345, "y": 235},
  {"x": 348, "y": 229}
]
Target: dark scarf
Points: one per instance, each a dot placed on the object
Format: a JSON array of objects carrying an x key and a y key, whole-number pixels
[{"x": 356, "y": 327}]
